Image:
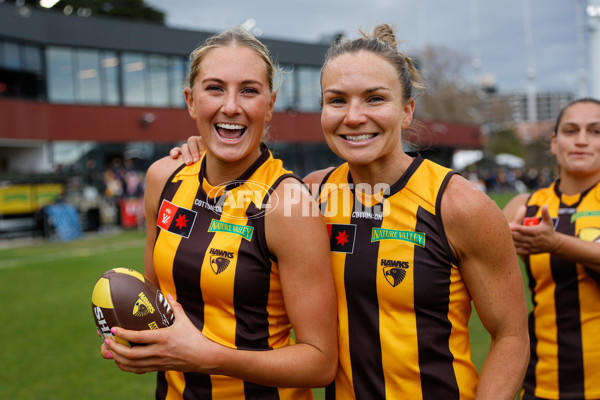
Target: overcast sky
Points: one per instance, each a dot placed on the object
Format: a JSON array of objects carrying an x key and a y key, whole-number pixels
[{"x": 499, "y": 33}]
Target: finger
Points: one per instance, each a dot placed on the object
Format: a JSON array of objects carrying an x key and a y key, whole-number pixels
[
  {"x": 106, "y": 352},
  {"x": 546, "y": 218},
  {"x": 178, "y": 312},
  {"x": 141, "y": 337},
  {"x": 187, "y": 156},
  {"x": 175, "y": 152},
  {"x": 196, "y": 147},
  {"x": 520, "y": 214}
]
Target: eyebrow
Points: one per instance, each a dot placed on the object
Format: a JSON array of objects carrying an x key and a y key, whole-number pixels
[
  {"x": 367, "y": 91},
  {"x": 571, "y": 123},
  {"x": 244, "y": 82}
]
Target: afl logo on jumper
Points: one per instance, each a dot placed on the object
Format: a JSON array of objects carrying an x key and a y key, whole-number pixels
[
  {"x": 219, "y": 260},
  {"x": 175, "y": 219},
  {"x": 394, "y": 271}
]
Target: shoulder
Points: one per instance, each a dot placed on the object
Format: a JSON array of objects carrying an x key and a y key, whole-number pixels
[
  {"x": 473, "y": 223},
  {"x": 469, "y": 215},
  {"x": 316, "y": 177},
  {"x": 462, "y": 198},
  {"x": 289, "y": 194},
  {"x": 156, "y": 178},
  {"x": 160, "y": 170}
]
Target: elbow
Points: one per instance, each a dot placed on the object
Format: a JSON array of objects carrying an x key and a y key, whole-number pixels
[{"x": 327, "y": 372}]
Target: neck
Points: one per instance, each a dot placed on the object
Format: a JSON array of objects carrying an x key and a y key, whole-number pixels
[
  {"x": 386, "y": 171},
  {"x": 219, "y": 172},
  {"x": 570, "y": 185}
]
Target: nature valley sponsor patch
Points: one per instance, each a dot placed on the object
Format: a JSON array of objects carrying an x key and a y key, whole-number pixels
[
  {"x": 244, "y": 231},
  {"x": 417, "y": 238},
  {"x": 581, "y": 214}
]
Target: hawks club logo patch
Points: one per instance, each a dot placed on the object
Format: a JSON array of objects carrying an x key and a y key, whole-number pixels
[
  {"x": 175, "y": 219},
  {"x": 341, "y": 237}
]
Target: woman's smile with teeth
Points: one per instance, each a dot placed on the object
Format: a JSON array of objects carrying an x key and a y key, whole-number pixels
[
  {"x": 359, "y": 138},
  {"x": 230, "y": 131}
]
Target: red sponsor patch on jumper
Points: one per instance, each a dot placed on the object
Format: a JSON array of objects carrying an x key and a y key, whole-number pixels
[
  {"x": 175, "y": 219},
  {"x": 529, "y": 221}
]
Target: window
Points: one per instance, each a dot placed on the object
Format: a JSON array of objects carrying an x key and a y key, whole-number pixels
[
  {"x": 32, "y": 59},
  {"x": 309, "y": 88},
  {"x": 158, "y": 81},
  {"x": 177, "y": 76},
  {"x": 134, "y": 70},
  {"x": 11, "y": 59},
  {"x": 87, "y": 76},
  {"x": 284, "y": 83},
  {"x": 61, "y": 88},
  {"x": 109, "y": 77}
]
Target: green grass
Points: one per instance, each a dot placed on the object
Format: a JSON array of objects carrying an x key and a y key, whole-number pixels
[{"x": 50, "y": 349}]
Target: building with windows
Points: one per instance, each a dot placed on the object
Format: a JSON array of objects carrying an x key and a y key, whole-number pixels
[{"x": 75, "y": 89}]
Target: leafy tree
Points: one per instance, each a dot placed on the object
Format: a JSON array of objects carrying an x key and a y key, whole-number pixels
[
  {"x": 131, "y": 9},
  {"x": 504, "y": 141}
]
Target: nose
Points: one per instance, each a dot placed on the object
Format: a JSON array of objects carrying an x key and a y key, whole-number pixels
[
  {"x": 230, "y": 104},
  {"x": 355, "y": 114},
  {"x": 582, "y": 138}
]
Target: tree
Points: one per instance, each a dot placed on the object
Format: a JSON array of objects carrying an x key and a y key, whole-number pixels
[
  {"x": 504, "y": 141},
  {"x": 130, "y": 9},
  {"x": 447, "y": 96},
  {"x": 450, "y": 96}
]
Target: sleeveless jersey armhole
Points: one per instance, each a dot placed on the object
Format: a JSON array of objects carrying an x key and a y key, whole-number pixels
[
  {"x": 262, "y": 239},
  {"x": 438, "y": 217}
]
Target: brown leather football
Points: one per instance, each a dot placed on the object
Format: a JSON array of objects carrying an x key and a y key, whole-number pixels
[{"x": 124, "y": 297}]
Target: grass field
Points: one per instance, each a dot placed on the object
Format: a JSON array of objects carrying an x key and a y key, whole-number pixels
[{"x": 50, "y": 349}]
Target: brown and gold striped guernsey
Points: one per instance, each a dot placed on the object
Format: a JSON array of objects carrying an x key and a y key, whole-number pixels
[
  {"x": 403, "y": 305},
  {"x": 211, "y": 255},
  {"x": 564, "y": 323}
]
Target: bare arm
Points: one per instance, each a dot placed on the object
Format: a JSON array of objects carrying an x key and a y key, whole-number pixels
[
  {"x": 480, "y": 238},
  {"x": 309, "y": 296},
  {"x": 305, "y": 272}
]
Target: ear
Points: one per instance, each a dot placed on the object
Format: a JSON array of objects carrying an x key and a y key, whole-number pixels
[
  {"x": 271, "y": 105},
  {"x": 553, "y": 143},
  {"x": 407, "y": 114},
  {"x": 189, "y": 100}
]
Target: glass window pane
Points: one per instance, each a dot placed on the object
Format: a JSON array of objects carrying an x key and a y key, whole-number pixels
[
  {"x": 158, "y": 79},
  {"x": 177, "y": 82},
  {"x": 286, "y": 93},
  {"x": 309, "y": 89},
  {"x": 109, "y": 67},
  {"x": 87, "y": 76},
  {"x": 12, "y": 60},
  {"x": 133, "y": 70},
  {"x": 33, "y": 59},
  {"x": 60, "y": 74}
]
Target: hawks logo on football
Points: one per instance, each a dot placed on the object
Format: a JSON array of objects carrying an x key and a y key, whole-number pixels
[
  {"x": 142, "y": 306},
  {"x": 394, "y": 271}
]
